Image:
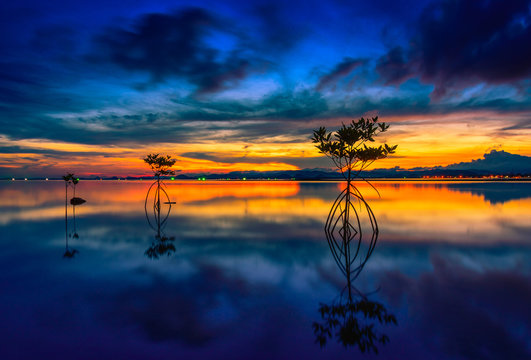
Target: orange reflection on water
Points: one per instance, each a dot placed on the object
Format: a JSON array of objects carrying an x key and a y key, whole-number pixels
[
  {"x": 45, "y": 200},
  {"x": 416, "y": 211},
  {"x": 187, "y": 191},
  {"x": 36, "y": 193},
  {"x": 406, "y": 211}
]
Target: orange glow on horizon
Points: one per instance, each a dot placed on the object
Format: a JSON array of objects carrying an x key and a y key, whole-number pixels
[{"x": 423, "y": 141}]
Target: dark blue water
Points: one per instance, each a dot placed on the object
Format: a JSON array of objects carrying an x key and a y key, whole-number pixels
[{"x": 250, "y": 266}]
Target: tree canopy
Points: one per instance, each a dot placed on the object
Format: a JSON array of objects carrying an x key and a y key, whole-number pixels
[
  {"x": 70, "y": 178},
  {"x": 160, "y": 164},
  {"x": 347, "y": 147}
]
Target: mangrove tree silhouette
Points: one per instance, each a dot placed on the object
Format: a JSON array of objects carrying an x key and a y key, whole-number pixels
[
  {"x": 352, "y": 235},
  {"x": 347, "y": 147},
  {"x": 157, "y": 206},
  {"x": 71, "y": 180}
]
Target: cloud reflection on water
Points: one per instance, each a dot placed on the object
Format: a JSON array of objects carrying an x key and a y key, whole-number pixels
[
  {"x": 465, "y": 313},
  {"x": 248, "y": 274}
]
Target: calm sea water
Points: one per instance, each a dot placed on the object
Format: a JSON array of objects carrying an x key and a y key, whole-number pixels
[{"x": 239, "y": 270}]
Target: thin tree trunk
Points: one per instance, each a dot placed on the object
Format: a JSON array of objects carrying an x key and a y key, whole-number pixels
[
  {"x": 346, "y": 236},
  {"x": 66, "y": 214},
  {"x": 158, "y": 206}
]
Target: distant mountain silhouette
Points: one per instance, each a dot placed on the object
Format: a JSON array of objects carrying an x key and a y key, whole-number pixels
[
  {"x": 493, "y": 163},
  {"x": 500, "y": 162}
]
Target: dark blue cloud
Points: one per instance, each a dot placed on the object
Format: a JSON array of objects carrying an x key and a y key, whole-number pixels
[
  {"x": 340, "y": 71},
  {"x": 394, "y": 67},
  {"x": 208, "y": 50},
  {"x": 457, "y": 44},
  {"x": 276, "y": 29},
  {"x": 173, "y": 45}
]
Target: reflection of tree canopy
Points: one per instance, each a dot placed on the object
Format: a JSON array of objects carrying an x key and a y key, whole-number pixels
[
  {"x": 70, "y": 253},
  {"x": 161, "y": 246},
  {"x": 352, "y": 323}
]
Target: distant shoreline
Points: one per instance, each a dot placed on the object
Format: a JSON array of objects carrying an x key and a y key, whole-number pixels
[{"x": 526, "y": 179}]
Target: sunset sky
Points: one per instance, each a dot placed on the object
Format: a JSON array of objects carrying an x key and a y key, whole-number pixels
[{"x": 93, "y": 86}]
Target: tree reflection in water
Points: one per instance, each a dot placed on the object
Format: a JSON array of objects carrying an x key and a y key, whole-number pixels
[
  {"x": 71, "y": 180},
  {"x": 156, "y": 218},
  {"x": 352, "y": 318}
]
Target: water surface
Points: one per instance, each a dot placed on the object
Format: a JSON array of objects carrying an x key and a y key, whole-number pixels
[{"x": 250, "y": 266}]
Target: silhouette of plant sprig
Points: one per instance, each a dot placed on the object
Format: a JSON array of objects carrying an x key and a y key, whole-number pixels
[
  {"x": 347, "y": 147},
  {"x": 160, "y": 164}
]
